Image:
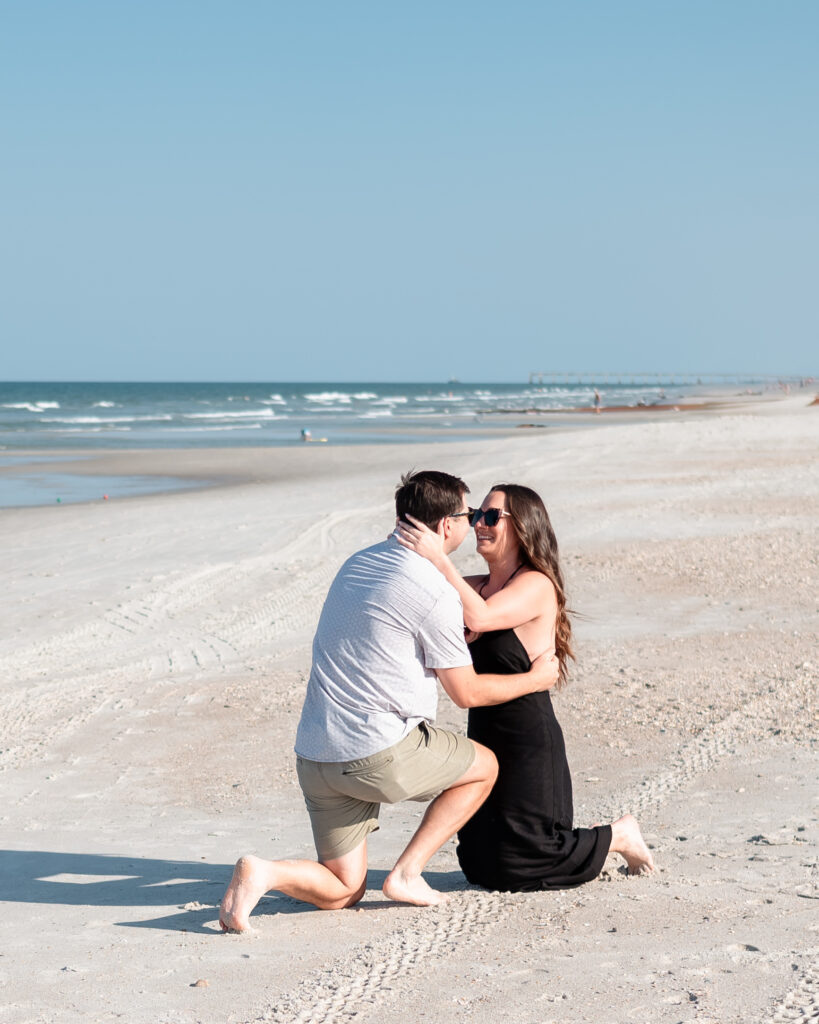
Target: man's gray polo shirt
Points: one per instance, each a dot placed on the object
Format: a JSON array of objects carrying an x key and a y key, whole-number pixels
[{"x": 390, "y": 619}]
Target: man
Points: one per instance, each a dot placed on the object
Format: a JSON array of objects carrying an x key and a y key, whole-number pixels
[{"x": 390, "y": 625}]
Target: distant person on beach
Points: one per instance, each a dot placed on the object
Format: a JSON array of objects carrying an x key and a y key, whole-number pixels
[
  {"x": 390, "y": 627},
  {"x": 597, "y": 400},
  {"x": 308, "y": 438},
  {"x": 522, "y": 838}
]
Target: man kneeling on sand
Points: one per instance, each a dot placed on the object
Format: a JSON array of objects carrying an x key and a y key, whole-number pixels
[{"x": 390, "y": 625}]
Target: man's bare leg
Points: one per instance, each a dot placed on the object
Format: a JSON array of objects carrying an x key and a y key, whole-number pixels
[
  {"x": 328, "y": 885},
  {"x": 627, "y": 840},
  {"x": 444, "y": 816}
]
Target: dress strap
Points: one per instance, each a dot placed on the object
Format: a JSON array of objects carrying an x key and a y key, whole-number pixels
[{"x": 509, "y": 580}]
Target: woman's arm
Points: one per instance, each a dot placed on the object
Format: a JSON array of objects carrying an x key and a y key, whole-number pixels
[{"x": 527, "y": 596}]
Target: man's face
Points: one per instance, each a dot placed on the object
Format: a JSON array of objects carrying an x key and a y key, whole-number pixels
[{"x": 456, "y": 527}]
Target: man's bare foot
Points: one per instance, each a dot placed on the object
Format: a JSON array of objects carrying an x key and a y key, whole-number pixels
[
  {"x": 411, "y": 890},
  {"x": 247, "y": 886},
  {"x": 627, "y": 840}
]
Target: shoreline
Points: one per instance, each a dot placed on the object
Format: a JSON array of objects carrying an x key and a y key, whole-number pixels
[{"x": 125, "y": 474}]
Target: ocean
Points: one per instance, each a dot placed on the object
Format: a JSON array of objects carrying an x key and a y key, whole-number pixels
[
  {"x": 54, "y": 416},
  {"x": 56, "y": 422}
]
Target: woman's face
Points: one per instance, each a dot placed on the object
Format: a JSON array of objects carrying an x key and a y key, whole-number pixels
[{"x": 495, "y": 542}]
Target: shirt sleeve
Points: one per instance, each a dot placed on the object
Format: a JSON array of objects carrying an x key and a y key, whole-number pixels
[{"x": 441, "y": 634}]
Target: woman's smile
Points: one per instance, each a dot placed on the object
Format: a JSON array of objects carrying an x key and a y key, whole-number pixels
[{"x": 484, "y": 540}]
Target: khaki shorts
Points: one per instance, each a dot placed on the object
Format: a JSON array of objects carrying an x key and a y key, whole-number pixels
[{"x": 343, "y": 797}]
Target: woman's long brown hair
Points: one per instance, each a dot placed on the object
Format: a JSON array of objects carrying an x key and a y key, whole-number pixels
[{"x": 538, "y": 546}]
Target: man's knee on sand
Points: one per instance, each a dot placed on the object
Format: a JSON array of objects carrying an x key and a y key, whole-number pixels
[
  {"x": 346, "y": 901},
  {"x": 351, "y": 870}
]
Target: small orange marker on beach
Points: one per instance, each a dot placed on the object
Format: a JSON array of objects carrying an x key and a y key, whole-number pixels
[{"x": 105, "y": 497}]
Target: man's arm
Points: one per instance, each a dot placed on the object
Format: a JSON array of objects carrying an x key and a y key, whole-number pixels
[{"x": 467, "y": 689}]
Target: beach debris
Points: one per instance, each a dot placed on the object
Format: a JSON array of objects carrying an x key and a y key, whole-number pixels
[
  {"x": 196, "y": 905},
  {"x": 783, "y": 837},
  {"x": 200, "y": 983}
]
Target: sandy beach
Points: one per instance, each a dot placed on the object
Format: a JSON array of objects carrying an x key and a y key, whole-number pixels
[{"x": 154, "y": 656}]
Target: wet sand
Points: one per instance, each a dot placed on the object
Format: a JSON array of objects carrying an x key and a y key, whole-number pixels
[{"x": 154, "y": 656}]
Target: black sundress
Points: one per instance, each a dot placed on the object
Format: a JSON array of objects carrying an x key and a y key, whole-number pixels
[{"x": 521, "y": 839}]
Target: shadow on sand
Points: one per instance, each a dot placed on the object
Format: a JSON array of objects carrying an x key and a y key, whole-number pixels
[{"x": 94, "y": 880}]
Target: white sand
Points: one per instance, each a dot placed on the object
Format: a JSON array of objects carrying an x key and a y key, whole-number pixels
[{"x": 154, "y": 653}]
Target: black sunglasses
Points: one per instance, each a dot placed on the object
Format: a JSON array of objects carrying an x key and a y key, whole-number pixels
[{"x": 490, "y": 516}]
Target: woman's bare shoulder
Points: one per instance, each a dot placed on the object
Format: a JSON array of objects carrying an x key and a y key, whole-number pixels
[
  {"x": 532, "y": 575},
  {"x": 534, "y": 581}
]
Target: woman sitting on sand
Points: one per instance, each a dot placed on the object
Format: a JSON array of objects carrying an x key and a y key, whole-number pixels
[{"x": 522, "y": 838}]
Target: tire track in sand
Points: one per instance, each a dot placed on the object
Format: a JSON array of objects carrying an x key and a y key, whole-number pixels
[
  {"x": 374, "y": 973},
  {"x": 801, "y": 1002}
]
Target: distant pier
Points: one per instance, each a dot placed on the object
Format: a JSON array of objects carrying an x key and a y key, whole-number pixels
[{"x": 659, "y": 380}]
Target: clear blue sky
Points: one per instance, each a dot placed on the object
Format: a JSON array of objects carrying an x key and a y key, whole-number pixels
[{"x": 382, "y": 191}]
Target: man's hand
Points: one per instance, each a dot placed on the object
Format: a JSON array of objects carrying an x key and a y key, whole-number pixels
[{"x": 545, "y": 671}]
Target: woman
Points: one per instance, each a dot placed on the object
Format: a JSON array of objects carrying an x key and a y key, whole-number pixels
[{"x": 522, "y": 838}]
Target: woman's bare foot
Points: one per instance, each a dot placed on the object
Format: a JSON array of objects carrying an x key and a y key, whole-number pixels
[
  {"x": 411, "y": 890},
  {"x": 627, "y": 840},
  {"x": 247, "y": 886}
]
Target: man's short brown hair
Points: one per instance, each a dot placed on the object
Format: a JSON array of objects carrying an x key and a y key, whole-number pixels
[{"x": 429, "y": 495}]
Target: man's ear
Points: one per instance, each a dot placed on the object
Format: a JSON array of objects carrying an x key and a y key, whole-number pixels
[{"x": 444, "y": 527}]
